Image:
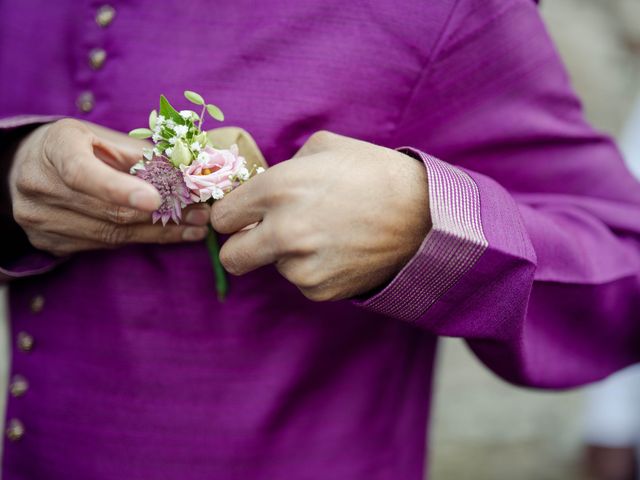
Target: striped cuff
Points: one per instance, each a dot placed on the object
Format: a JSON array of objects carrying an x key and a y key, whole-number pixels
[{"x": 453, "y": 245}]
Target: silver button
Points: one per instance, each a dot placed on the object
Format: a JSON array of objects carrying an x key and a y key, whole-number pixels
[
  {"x": 18, "y": 386},
  {"x": 105, "y": 15},
  {"x": 15, "y": 430},
  {"x": 37, "y": 304},
  {"x": 85, "y": 102},
  {"x": 97, "y": 56},
  {"x": 25, "y": 342}
]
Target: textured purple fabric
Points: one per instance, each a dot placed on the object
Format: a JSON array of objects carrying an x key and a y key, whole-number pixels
[{"x": 137, "y": 371}]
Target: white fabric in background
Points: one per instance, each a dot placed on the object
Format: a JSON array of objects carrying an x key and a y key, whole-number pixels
[
  {"x": 612, "y": 413},
  {"x": 613, "y": 410},
  {"x": 630, "y": 140}
]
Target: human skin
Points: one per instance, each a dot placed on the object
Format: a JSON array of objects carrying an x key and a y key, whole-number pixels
[
  {"x": 339, "y": 219},
  {"x": 70, "y": 191}
]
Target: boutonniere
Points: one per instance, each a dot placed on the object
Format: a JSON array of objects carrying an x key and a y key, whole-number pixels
[{"x": 189, "y": 165}]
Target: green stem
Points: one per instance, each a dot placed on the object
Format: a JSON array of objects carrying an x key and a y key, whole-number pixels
[{"x": 214, "y": 253}]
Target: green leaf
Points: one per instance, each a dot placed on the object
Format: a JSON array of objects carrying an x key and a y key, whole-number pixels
[
  {"x": 140, "y": 133},
  {"x": 167, "y": 111},
  {"x": 215, "y": 112},
  {"x": 193, "y": 97},
  {"x": 153, "y": 116}
]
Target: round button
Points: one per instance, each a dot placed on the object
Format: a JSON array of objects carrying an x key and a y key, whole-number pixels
[
  {"x": 25, "y": 342},
  {"x": 18, "y": 386},
  {"x": 85, "y": 102},
  {"x": 15, "y": 430},
  {"x": 105, "y": 15},
  {"x": 37, "y": 304},
  {"x": 97, "y": 56}
]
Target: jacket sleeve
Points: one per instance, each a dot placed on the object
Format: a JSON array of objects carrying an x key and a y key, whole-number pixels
[
  {"x": 18, "y": 258},
  {"x": 534, "y": 255}
]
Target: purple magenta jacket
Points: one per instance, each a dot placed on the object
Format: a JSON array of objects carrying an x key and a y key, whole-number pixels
[{"x": 127, "y": 367}]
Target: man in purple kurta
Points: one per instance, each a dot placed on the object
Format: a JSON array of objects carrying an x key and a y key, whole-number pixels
[{"x": 126, "y": 366}]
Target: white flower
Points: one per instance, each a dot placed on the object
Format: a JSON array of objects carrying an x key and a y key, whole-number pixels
[
  {"x": 195, "y": 146},
  {"x": 187, "y": 114},
  {"x": 173, "y": 140},
  {"x": 181, "y": 130},
  {"x": 147, "y": 153},
  {"x": 217, "y": 194},
  {"x": 160, "y": 120},
  {"x": 156, "y": 151},
  {"x": 156, "y": 137},
  {"x": 136, "y": 167},
  {"x": 171, "y": 123},
  {"x": 259, "y": 169},
  {"x": 202, "y": 157},
  {"x": 168, "y": 151},
  {"x": 243, "y": 174}
]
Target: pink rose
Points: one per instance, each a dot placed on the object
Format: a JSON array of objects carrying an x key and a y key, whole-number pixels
[{"x": 214, "y": 173}]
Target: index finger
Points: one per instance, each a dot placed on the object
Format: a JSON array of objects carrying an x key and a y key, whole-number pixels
[
  {"x": 243, "y": 206},
  {"x": 74, "y": 159}
]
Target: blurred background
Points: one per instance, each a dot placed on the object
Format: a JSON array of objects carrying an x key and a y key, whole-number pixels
[{"x": 483, "y": 428}]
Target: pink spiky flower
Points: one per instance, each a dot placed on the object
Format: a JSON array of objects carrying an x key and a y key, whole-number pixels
[{"x": 169, "y": 181}]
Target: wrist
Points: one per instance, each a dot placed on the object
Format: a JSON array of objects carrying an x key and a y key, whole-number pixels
[
  {"x": 414, "y": 210},
  {"x": 15, "y": 145}
]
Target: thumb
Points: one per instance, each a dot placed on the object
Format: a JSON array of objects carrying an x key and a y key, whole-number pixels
[{"x": 121, "y": 156}]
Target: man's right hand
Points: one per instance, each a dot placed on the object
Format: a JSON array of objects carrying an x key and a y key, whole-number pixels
[{"x": 71, "y": 191}]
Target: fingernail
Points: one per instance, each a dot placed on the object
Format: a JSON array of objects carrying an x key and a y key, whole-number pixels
[
  {"x": 144, "y": 199},
  {"x": 197, "y": 217},
  {"x": 191, "y": 234}
]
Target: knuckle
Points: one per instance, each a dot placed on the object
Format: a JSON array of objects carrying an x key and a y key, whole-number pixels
[
  {"x": 303, "y": 275},
  {"x": 293, "y": 238},
  {"x": 57, "y": 132},
  {"x": 25, "y": 184},
  {"x": 112, "y": 234},
  {"x": 307, "y": 280},
  {"x": 25, "y": 216},
  {"x": 67, "y": 123},
  {"x": 230, "y": 261},
  {"x": 320, "y": 137},
  {"x": 120, "y": 215},
  {"x": 317, "y": 294},
  {"x": 38, "y": 241},
  {"x": 218, "y": 216}
]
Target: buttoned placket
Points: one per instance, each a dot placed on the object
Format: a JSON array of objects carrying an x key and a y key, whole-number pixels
[
  {"x": 19, "y": 385},
  {"x": 25, "y": 343},
  {"x": 96, "y": 58}
]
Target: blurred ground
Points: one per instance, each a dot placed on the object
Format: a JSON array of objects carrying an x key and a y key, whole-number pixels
[{"x": 484, "y": 429}]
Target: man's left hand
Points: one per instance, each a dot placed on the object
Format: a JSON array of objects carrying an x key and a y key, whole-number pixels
[{"x": 339, "y": 219}]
